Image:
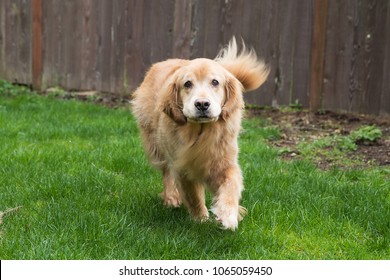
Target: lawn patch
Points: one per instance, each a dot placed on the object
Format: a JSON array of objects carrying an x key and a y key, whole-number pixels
[{"x": 88, "y": 192}]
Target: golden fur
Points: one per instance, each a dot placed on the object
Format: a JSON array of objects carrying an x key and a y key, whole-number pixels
[{"x": 189, "y": 114}]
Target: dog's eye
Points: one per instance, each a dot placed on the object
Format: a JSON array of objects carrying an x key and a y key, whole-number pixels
[
  {"x": 214, "y": 82},
  {"x": 188, "y": 84}
]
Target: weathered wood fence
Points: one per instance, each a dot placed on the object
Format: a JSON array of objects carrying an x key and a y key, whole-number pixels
[{"x": 325, "y": 54}]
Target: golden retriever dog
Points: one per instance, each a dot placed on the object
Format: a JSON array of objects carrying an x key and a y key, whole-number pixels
[{"x": 189, "y": 114}]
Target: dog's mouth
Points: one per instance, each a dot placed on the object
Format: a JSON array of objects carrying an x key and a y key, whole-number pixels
[
  {"x": 199, "y": 116},
  {"x": 202, "y": 119}
]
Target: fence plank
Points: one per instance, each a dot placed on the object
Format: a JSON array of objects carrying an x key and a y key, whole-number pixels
[
  {"x": 317, "y": 54},
  {"x": 89, "y": 17},
  {"x": 262, "y": 28},
  {"x": 338, "y": 55},
  {"x": 385, "y": 90},
  {"x": 182, "y": 29},
  {"x": 301, "y": 58},
  {"x": 37, "y": 44},
  {"x": 105, "y": 45},
  {"x": 53, "y": 34},
  {"x": 135, "y": 63},
  {"x": 206, "y": 25},
  {"x": 118, "y": 31},
  {"x": 3, "y": 38}
]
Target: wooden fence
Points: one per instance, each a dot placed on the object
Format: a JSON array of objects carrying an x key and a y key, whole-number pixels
[{"x": 325, "y": 54}]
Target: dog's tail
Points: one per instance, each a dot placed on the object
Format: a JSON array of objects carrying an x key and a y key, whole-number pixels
[{"x": 244, "y": 65}]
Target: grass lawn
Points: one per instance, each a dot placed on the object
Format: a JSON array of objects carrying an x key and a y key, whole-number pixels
[{"x": 75, "y": 184}]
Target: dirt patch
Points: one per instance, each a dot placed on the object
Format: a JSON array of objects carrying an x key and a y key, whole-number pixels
[{"x": 299, "y": 126}]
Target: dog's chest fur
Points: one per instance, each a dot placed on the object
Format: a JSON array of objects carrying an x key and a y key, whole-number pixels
[{"x": 198, "y": 148}]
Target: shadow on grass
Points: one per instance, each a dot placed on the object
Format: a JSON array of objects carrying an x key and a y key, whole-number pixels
[{"x": 170, "y": 233}]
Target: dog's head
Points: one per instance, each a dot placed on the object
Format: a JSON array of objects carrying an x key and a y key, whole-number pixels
[{"x": 204, "y": 90}]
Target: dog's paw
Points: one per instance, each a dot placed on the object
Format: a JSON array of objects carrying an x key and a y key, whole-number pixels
[
  {"x": 230, "y": 222},
  {"x": 201, "y": 215},
  {"x": 227, "y": 216},
  {"x": 171, "y": 200}
]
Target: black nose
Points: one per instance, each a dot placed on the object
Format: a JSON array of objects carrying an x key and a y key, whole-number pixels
[{"x": 202, "y": 104}]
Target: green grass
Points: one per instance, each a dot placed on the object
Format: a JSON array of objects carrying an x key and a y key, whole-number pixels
[{"x": 86, "y": 191}]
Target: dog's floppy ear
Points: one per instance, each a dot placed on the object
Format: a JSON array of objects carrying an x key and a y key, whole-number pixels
[
  {"x": 173, "y": 105},
  {"x": 233, "y": 98}
]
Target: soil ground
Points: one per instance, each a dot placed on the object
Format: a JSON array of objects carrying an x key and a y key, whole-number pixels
[{"x": 299, "y": 125}]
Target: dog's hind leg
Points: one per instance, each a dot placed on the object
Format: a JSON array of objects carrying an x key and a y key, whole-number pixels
[{"x": 193, "y": 196}]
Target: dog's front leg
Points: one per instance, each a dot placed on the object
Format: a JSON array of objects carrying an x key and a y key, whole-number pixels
[
  {"x": 170, "y": 195},
  {"x": 227, "y": 187}
]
